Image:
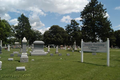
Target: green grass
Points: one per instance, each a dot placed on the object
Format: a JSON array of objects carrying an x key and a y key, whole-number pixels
[{"x": 62, "y": 67}]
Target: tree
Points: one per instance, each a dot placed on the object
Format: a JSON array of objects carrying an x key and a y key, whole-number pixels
[
  {"x": 95, "y": 23},
  {"x": 23, "y": 29},
  {"x": 36, "y": 35},
  {"x": 55, "y": 35},
  {"x": 117, "y": 36},
  {"x": 74, "y": 33},
  {"x": 5, "y": 30}
]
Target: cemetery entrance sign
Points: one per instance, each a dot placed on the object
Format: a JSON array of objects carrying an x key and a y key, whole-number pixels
[{"x": 95, "y": 47}]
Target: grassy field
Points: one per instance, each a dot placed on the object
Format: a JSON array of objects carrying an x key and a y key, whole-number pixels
[{"x": 62, "y": 67}]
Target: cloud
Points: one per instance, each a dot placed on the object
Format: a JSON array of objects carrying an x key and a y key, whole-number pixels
[
  {"x": 117, "y": 27},
  {"x": 14, "y": 22},
  {"x": 117, "y": 8},
  {"x": 42, "y": 30},
  {"x": 67, "y": 19},
  {"x": 5, "y": 16},
  {"x": 35, "y": 21},
  {"x": 107, "y": 15}
]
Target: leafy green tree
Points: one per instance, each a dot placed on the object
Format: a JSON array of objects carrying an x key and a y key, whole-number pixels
[
  {"x": 36, "y": 35},
  {"x": 55, "y": 35},
  {"x": 74, "y": 33},
  {"x": 23, "y": 29},
  {"x": 95, "y": 23},
  {"x": 117, "y": 36},
  {"x": 5, "y": 30}
]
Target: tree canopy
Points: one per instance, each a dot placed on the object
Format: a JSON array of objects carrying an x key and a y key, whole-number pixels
[
  {"x": 95, "y": 22},
  {"x": 55, "y": 35},
  {"x": 74, "y": 33}
]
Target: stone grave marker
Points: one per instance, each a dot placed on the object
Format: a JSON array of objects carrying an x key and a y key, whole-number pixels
[
  {"x": 10, "y": 59},
  {"x": 56, "y": 49},
  {"x": 11, "y": 55},
  {"x": 51, "y": 54},
  {"x": 0, "y": 47},
  {"x": 38, "y": 48},
  {"x": 59, "y": 54},
  {"x": 48, "y": 48},
  {"x": 8, "y": 47},
  {"x": 19, "y": 55},
  {"x": 24, "y": 57},
  {"x": 0, "y": 65},
  {"x": 22, "y": 68},
  {"x": 67, "y": 54}
]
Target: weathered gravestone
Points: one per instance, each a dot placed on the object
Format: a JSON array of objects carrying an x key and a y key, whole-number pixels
[
  {"x": 8, "y": 47},
  {"x": 48, "y": 48},
  {"x": 67, "y": 54},
  {"x": 38, "y": 48},
  {"x": 17, "y": 45},
  {"x": 22, "y": 68},
  {"x": 10, "y": 59},
  {"x": 0, "y": 65},
  {"x": 11, "y": 55},
  {"x": 24, "y": 57},
  {"x": 56, "y": 50},
  {"x": 59, "y": 54},
  {"x": 51, "y": 54}
]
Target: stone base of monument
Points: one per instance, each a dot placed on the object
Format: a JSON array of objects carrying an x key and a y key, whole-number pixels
[
  {"x": 38, "y": 52},
  {"x": 24, "y": 57}
]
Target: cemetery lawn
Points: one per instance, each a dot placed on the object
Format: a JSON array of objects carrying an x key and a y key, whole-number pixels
[{"x": 62, "y": 67}]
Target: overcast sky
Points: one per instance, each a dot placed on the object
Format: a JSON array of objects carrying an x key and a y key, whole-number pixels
[{"x": 43, "y": 14}]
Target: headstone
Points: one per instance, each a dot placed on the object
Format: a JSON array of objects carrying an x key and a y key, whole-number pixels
[
  {"x": 22, "y": 68},
  {"x": 74, "y": 46},
  {"x": 1, "y": 43},
  {"x": 59, "y": 54},
  {"x": 56, "y": 50},
  {"x": 38, "y": 48},
  {"x": 65, "y": 47},
  {"x": 11, "y": 55},
  {"x": 48, "y": 48},
  {"x": 24, "y": 57},
  {"x": 17, "y": 45},
  {"x": 19, "y": 55},
  {"x": 0, "y": 50},
  {"x": 0, "y": 65},
  {"x": 67, "y": 54},
  {"x": 51, "y": 54},
  {"x": 32, "y": 60},
  {"x": 10, "y": 59},
  {"x": 8, "y": 47},
  {"x": 15, "y": 52}
]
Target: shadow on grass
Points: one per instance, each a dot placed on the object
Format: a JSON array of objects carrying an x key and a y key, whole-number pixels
[
  {"x": 17, "y": 60},
  {"x": 91, "y": 63}
]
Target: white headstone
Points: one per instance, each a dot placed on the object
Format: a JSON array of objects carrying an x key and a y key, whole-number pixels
[
  {"x": 8, "y": 47},
  {"x": 0, "y": 65},
  {"x": 22, "y": 68},
  {"x": 24, "y": 57},
  {"x": 56, "y": 49},
  {"x": 48, "y": 48},
  {"x": 10, "y": 59}
]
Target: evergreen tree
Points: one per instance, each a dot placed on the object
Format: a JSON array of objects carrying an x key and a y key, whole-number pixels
[
  {"x": 95, "y": 22},
  {"x": 23, "y": 29},
  {"x": 74, "y": 33}
]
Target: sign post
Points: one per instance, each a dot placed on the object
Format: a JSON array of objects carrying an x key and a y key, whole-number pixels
[{"x": 95, "y": 47}]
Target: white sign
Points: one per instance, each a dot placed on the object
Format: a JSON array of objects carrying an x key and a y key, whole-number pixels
[{"x": 94, "y": 47}]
